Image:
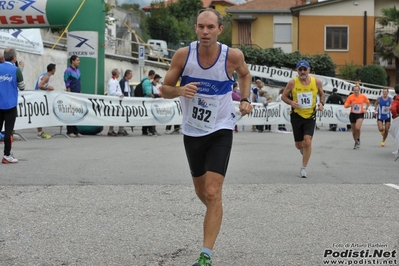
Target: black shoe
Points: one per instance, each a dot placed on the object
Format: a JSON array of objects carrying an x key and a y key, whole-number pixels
[
  {"x": 123, "y": 133},
  {"x": 112, "y": 134},
  {"x": 357, "y": 145}
]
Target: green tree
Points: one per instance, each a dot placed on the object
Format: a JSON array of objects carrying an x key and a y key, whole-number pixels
[
  {"x": 186, "y": 31},
  {"x": 387, "y": 38},
  {"x": 275, "y": 57},
  {"x": 185, "y": 12},
  {"x": 373, "y": 74},
  {"x": 131, "y": 7},
  {"x": 108, "y": 9},
  {"x": 161, "y": 25},
  {"x": 349, "y": 71},
  {"x": 322, "y": 64},
  {"x": 225, "y": 36},
  {"x": 175, "y": 22},
  {"x": 185, "y": 9}
]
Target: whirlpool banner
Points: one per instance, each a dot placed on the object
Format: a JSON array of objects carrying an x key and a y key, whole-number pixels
[{"x": 45, "y": 109}]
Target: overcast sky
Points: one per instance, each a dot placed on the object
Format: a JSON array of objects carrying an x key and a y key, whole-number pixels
[{"x": 148, "y": 2}]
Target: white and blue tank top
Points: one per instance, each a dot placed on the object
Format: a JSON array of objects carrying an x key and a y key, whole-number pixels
[
  {"x": 212, "y": 107},
  {"x": 384, "y": 112},
  {"x": 40, "y": 79}
]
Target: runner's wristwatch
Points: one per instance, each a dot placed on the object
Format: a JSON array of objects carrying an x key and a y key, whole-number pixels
[{"x": 245, "y": 100}]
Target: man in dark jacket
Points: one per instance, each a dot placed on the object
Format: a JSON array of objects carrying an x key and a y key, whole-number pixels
[
  {"x": 334, "y": 98},
  {"x": 72, "y": 84},
  {"x": 124, "y": 82}
]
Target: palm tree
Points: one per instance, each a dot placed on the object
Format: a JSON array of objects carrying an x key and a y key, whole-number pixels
[{"x": 387, "y": 37}]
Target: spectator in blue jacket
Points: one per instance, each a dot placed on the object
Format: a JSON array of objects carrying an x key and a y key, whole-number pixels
[
  {"x": 11, "y": 80},
  {"x": 147, "y": 91}
]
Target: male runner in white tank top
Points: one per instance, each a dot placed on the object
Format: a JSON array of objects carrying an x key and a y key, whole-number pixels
[{"x": 206, "y": 69}]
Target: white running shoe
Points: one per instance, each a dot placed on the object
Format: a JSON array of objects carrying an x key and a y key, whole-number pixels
[
  {"x": 9, "y": 159},
  {"x": 395, "y": 152},
  {"x": 302, "y": 173}
]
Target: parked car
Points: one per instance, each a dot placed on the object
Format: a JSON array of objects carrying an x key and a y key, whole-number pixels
[{"x": 159, "y": 48}]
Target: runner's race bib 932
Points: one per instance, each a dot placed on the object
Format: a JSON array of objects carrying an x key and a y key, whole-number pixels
[{"x": 203, "y": 113}]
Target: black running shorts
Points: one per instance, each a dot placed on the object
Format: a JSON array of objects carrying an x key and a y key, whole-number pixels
[
  {"x": 209, "y": 153},
  {"x": 302, "y": 126},
  {"x": 353, "y": 117},
  {"x": 388, "y": 120}
]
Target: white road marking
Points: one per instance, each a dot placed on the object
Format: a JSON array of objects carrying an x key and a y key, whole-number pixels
[{"x": 392, "y": 185}]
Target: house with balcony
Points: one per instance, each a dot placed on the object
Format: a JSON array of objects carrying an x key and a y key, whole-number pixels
[
  {"x": 265, "y": 24},
  {"x": 343, "y": 29}
]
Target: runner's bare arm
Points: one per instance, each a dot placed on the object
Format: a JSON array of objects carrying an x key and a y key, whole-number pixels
[
  {"x": 321, "y": 94},
  {"x": 236, "y": 62},
  {"x": 376, "y": 105},
  {"x": 169, "y": 88},
  {"x": 42, "y": 83},
  {"x": 285, "y": 96},
  {"x": 320, "y": 90},
  {"x": 236, "y": 58}
]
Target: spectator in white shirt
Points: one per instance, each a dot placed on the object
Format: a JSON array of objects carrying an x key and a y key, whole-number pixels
[
  {"x": 155, "y": 86},
  {"x": 114, "y": 89}
]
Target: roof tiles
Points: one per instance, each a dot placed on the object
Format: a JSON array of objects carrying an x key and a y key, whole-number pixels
[
  {"x": 206, "y": 3},
  {"x": 266, "y": 5}
]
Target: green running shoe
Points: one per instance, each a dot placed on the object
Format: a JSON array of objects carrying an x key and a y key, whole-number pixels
[{"x": 203, "y": 260}]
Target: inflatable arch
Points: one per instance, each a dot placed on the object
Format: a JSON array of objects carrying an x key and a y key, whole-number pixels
[{"x": 86, "y": 30}]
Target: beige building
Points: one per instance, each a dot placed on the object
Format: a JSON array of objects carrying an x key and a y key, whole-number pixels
[
  {"x": 218, "y": 5},
  {"x": 343, "y": 29},
  {"x": 265, "y": 24}
]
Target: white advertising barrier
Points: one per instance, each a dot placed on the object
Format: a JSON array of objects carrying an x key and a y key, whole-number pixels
[
  {"x": 394, "y": 130},
  {"x": 45, "y": 109},
  {"x": 26, "y": 40},
  {"x": 279, "y": 113},
  {"x": 329, "y": 83}
]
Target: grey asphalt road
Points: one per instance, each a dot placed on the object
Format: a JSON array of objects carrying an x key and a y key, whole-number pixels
[{"x": 101, "y": 200}]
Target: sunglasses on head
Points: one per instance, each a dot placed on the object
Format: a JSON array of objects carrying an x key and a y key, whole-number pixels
[{"x": 302, "y": 69}]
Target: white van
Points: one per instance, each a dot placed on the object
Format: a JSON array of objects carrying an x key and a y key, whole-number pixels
[{"x": 159, "y": 48}]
